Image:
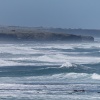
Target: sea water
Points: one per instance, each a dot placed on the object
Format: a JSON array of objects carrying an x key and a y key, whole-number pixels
[{"x": 49, "y": 71}]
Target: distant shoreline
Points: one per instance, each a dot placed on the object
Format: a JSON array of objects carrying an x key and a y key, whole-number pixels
[{"x": 41, "y": 34}]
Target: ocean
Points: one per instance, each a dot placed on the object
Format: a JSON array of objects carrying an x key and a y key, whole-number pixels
[{"x": 31, "y": 70}]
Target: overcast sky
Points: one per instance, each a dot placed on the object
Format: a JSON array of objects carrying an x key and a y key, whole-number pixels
[{"x": 51, "y": 13}]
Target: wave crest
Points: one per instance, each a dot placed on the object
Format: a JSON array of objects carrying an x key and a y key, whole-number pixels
[
  {"x": 96, "y": 76},
  {"x": 68, "y": 64}
]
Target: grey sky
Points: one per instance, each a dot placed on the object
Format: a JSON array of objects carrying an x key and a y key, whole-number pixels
[{"x": 51, "y": 13}]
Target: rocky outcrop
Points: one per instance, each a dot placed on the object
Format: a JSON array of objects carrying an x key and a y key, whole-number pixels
[
  {"x": 4, "y": 36},
  {"x": 13, "y": 33},
  {"x": 87, "y": 38},
  {"x": 46, "y": 37}
]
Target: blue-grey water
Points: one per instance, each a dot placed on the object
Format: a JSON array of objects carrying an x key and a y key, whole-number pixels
[{"x": 49, "y": 71}]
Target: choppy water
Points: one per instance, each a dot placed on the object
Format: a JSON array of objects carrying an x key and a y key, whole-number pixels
[{"x": 49, "y": 71}]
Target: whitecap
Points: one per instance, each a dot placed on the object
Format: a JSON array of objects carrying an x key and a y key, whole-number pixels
[
  {"x": 67, "y": 64},
  {"x": 7, "y": 63},
  {"x": 96, "y": 76}
]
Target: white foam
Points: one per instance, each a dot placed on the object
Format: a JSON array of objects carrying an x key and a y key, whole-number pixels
[
  {"x": 17, "y": 50},
  {"x": 67, "y": 64},
  {"x": 49, "y": 55},
  {"x": 55, "y": 46},
  {"x": 63, "y": 77},
  {"x": 96, "y": 76},
  {"x": 8, "y": 63},
  {"x": 72, "y": 76},
  {"x": 59, "y": 59}
]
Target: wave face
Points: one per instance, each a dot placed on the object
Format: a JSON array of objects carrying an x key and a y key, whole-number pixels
[{"x": 49, "y": 71}]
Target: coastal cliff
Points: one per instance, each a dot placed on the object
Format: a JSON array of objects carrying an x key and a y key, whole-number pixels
[{"x": 13, "y": 33}]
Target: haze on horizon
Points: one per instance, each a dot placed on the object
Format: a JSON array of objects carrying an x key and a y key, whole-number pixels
[{"x": 51, "y": 13}]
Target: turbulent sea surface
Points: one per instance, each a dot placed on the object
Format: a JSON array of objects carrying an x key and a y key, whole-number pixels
[{"x": 49, "y": 71}]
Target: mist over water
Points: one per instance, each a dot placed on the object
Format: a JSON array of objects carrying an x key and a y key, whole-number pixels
[{"x": 32, "y": 70}]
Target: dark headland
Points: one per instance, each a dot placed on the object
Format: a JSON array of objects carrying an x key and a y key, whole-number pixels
[{"x": 39, "y": 34}]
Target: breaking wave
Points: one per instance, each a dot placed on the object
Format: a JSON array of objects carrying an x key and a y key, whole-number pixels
[{"x": 48, "y": 69}]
